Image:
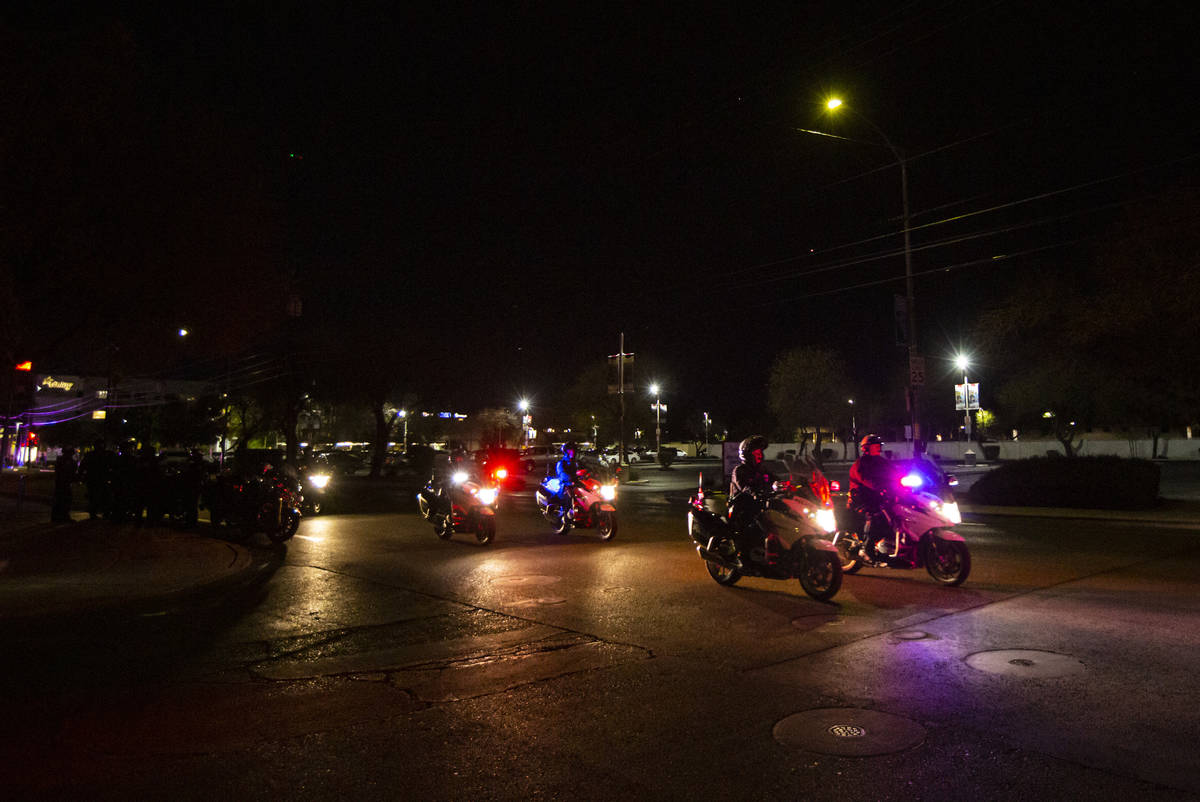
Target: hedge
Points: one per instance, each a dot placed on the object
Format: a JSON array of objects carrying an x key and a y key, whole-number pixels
[{"x": 1108, "y": 483}]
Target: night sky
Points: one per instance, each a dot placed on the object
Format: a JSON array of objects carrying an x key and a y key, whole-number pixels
[{"x": 507, "y": 187}]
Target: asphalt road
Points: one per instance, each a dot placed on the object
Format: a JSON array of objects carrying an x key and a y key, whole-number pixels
[{"x": 378, "y": 661}]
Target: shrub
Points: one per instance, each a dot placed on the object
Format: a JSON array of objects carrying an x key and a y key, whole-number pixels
[{"x": 1110, "y": 483}]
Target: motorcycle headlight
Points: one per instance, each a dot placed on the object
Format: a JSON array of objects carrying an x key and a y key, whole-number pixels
[
  {"x": 487, "y": 496},
  {"x": 459, "y": 477},
  {"x": 826, "y": 519},
  {"x": 608, "y": 492},
  {"x": 318, "y": 480},
  {"x": 950, "y": 512}
]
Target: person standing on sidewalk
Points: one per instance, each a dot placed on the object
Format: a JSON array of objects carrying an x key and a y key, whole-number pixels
[
  {"x": 64, "y": 475},
  {"x": 95, "y": 472}
]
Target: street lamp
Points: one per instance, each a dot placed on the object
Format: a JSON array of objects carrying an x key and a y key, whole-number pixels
[
  {"x": 915, "y": 366},
  {"x": 853, "y": 420},
  {"x": 403, "y": 414},
  {"x": 707, "y": 420},
  {"x": 526, "y": 420},
  {"x": 657, "y": 418},
  {"x": 961, "y": 362}
]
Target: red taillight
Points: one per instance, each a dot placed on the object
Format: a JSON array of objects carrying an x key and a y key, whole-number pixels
[
  {"x": 835, "y": 485},
  {"x": 501, "y": 473}
]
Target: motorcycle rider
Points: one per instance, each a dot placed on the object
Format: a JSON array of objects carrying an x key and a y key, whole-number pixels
[
  {"x": 872, "y": 478},
  {"x": 748, "y": 488},
  {"x": 568, "y": 470}
]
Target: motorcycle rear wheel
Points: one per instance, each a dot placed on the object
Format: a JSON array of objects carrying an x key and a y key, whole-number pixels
[
  {"x": 485, "y": 530},
  {"x": 720, "y": 574},
  {"x": 848, "y": 547},
  {"x": 286, "y": 528},
  {"x": 606, "y": 525},
  {"x": 821, "y": 575},
  {"x": 947, "y": 561}
]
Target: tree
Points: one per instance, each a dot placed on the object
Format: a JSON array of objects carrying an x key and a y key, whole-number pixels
[{"x": 807, "y": 390}]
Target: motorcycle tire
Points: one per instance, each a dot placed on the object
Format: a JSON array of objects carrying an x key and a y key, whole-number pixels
[
  {"x": 947, "y": 561},
  {"x": 560, "y": 521},
  {"x": 848, "y": 547},
  {"x": 606, "y": 525},
  {"x": 726, "y": 577},
  {"x": 286, "y": 528},
  {"x": 821, "y": 575},
  {"x": 442, "y": 526},
  {"x": 485, "y": 530}
]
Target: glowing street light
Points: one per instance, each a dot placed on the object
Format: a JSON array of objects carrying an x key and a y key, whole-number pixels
[
  {"x": 403, "y": 415},
  {"x": 658, "y": 408},
  {"x": 916, "y": 368},
  {"x": 526, "y": 420},
  {"x": 961, "y": 362}
]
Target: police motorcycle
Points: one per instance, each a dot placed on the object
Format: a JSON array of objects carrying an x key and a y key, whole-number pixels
[
  {"x": 794, "y": 522},
  {"x": 268, "y": 500},
  {"x": 591, "y": 504},
  {"x": 918, "y": 518},
  {"x": 460, "y": 503}
]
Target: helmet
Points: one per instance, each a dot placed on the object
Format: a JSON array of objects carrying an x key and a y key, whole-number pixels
[
  {"x": 569, "y": 448},
  {"x": 869, "y": 440},
  {"x": 751, "y": 444}
]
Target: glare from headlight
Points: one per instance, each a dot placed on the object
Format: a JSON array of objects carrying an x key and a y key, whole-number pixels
[
  {"x": 951, "y": 513},
  {"x": 459, "y": 477},
  {"x": 318, "y": 480},
  {"x": 487, "y": 496},
  {"x": 826, "y": 519},
  {"x": 608, "y": 492}
]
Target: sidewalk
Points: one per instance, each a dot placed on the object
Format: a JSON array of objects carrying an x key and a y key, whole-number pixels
[{"x": 50, "y": 570}]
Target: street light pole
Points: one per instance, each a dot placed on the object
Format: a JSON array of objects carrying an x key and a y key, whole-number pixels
[
  {"x": 915, "y": 365},
  {"x": 657, "y": 419},
  {"x": 404, "y": 416},
  {"x": 961, "y": 362}
]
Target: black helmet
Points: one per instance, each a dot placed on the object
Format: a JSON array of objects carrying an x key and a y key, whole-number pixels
[
  {"x": 569, "y": 448},
  {"x": 751, "y": 444},
  {"x": 869, "y": 440}
]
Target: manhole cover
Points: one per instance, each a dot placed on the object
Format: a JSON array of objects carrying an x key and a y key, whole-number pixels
[
  {"x": 911, "y": 634},
  {"x": 522, "y": 581},
  {"x": 807, "y": 622},
  {"x": 848, "y": 732},
  {"x": 1025, "y": 663}
]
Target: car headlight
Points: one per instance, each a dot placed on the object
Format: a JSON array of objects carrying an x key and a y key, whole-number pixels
[
  {"x": 826, "y": 519},
  {"x": 318, "y": 480},
  {"x": 608, "y": 492},
  {"x": 487, "y": 496}
]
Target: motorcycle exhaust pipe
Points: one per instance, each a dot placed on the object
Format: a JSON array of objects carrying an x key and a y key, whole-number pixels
[{"x": 713, "y": 557}]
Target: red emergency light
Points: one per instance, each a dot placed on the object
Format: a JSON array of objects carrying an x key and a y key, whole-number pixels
[{"x": 26, "y": 365}]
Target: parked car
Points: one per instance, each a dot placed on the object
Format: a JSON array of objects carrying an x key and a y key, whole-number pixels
[
  {"x": 538, "y": 458},
  {"x": 343, "y": 463}
]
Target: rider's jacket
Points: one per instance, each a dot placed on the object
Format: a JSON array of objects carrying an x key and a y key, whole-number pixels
[
  {"x": 567, "y": 471},
  {"x": 747, "y": 478},
  {"x": 871, "y": 476}
]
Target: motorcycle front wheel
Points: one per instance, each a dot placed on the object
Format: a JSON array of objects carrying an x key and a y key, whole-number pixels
[
  {"x": 720, "y": 574},
  {"x": 821, "y": 575},
  {"x": 485, "y": 530},
  {"x": 606, "y": 525},
  {"x": 443, "y": 527},
  {"x": 848, "y": 547},
  {"x": 947, "y": 561},
  {"x": 560, "y": 521}
]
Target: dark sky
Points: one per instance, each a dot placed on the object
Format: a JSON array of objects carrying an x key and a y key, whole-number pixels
[{"x": 515, "y": 184}]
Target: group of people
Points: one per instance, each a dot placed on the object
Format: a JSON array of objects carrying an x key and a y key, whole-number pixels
[
  {"x": 872, "y": 478},
  {"x": 129, "y": 484}
]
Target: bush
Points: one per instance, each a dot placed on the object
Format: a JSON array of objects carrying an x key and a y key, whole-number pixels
[
  {"x": 666, "y": 456},
  {"x": 1108, "y": 483}
]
